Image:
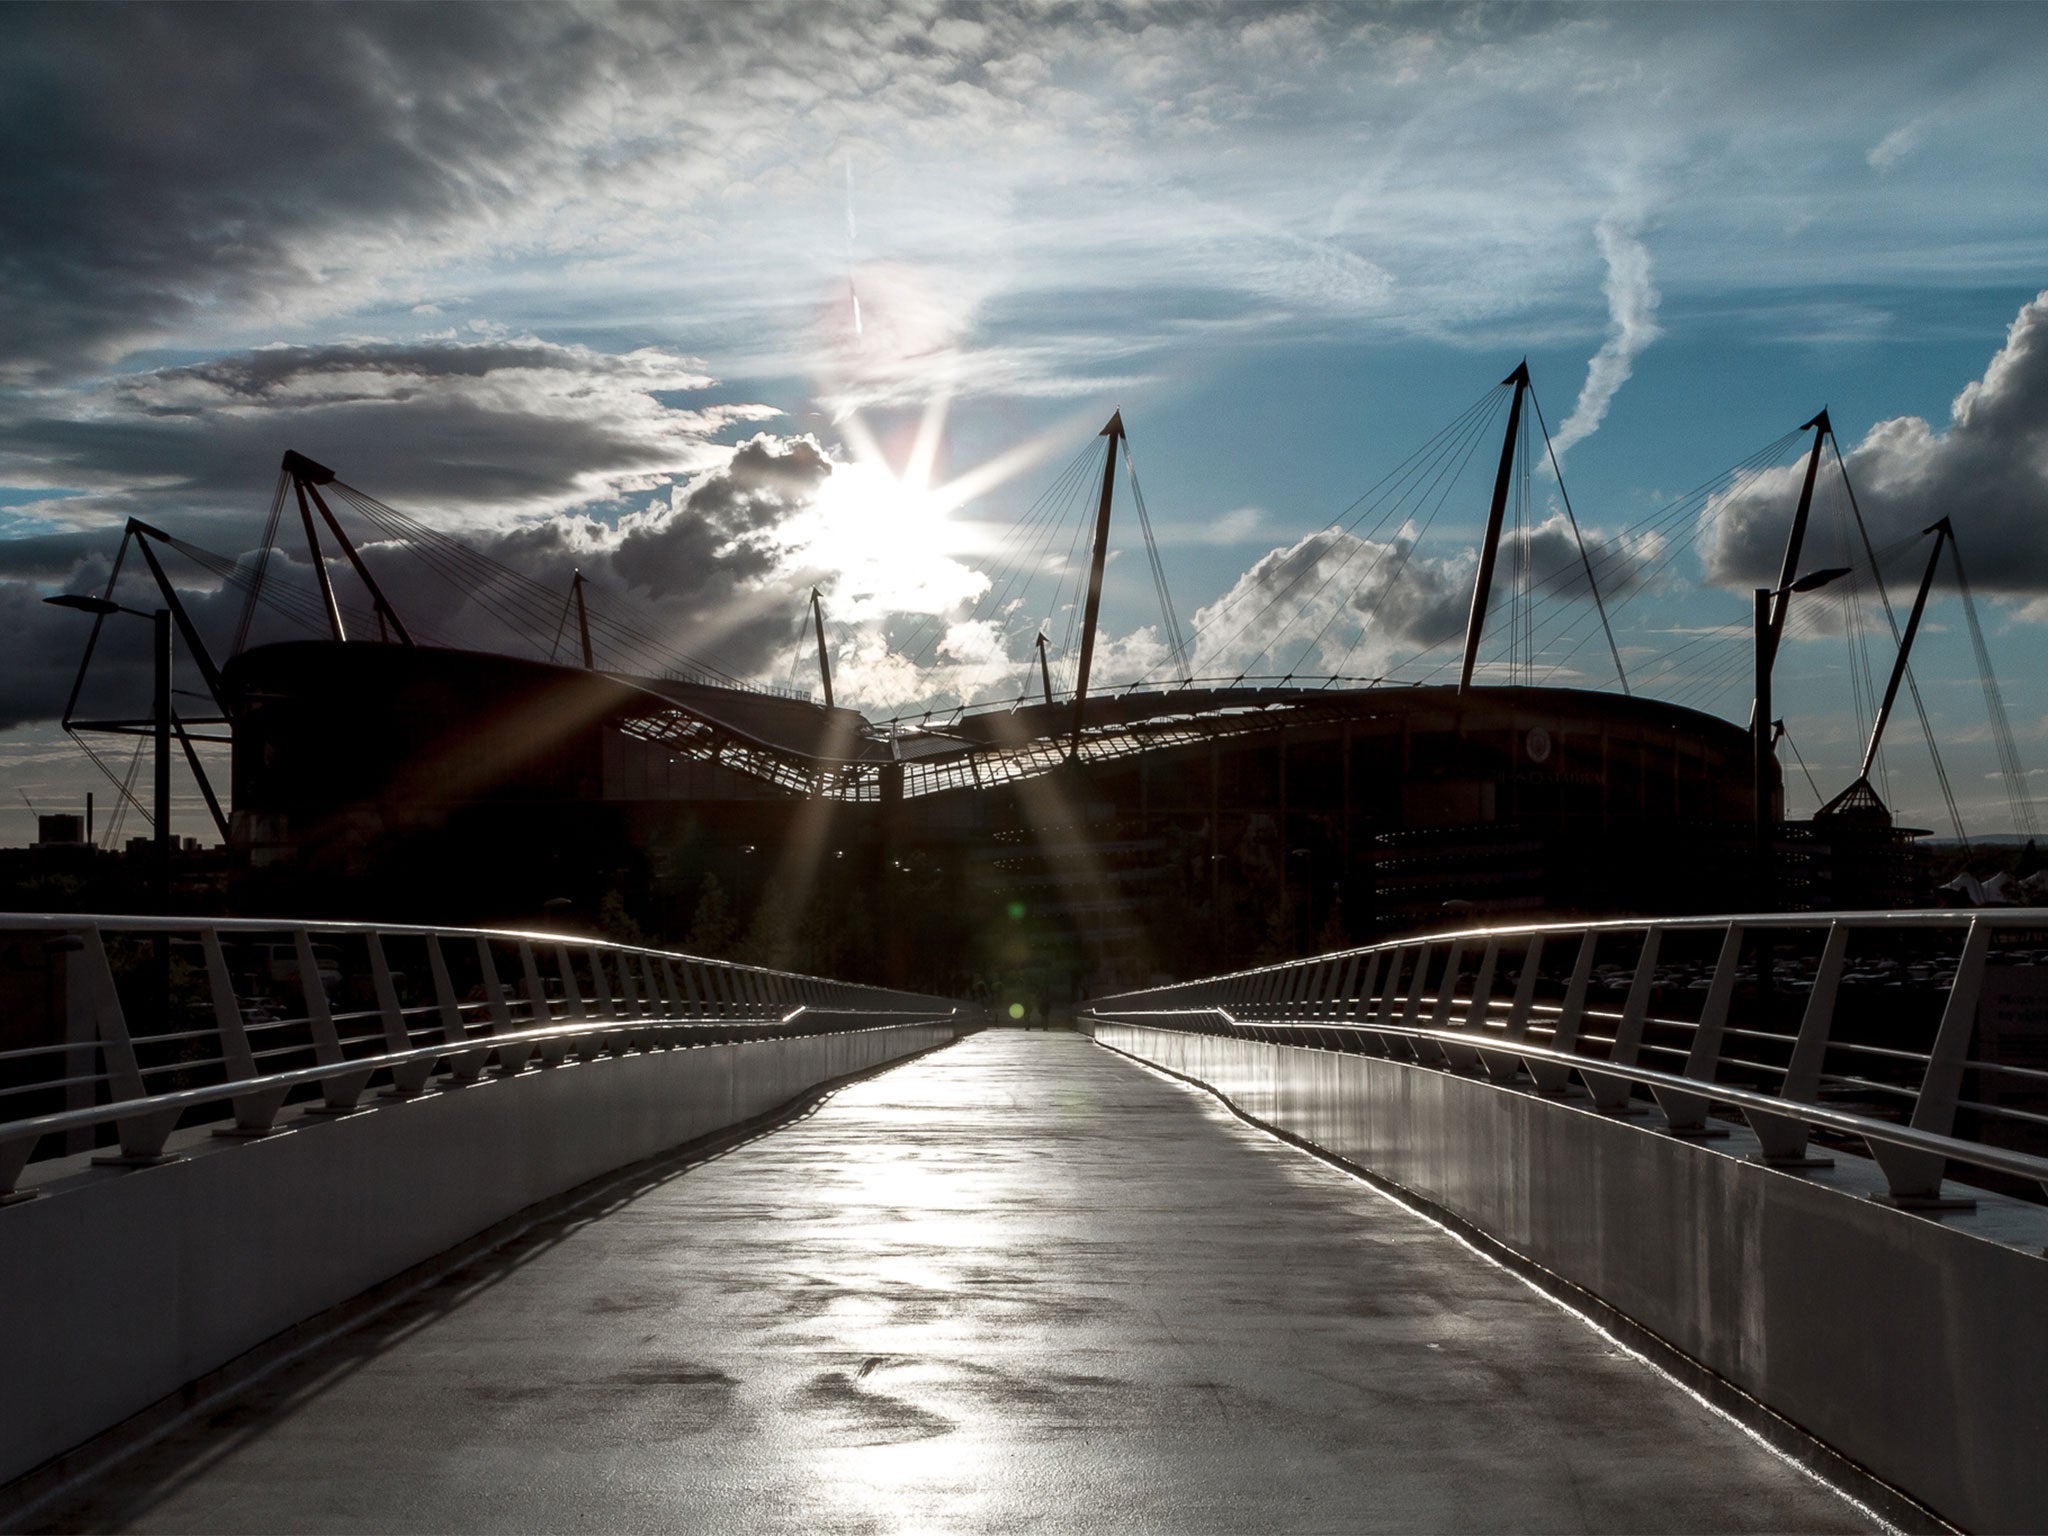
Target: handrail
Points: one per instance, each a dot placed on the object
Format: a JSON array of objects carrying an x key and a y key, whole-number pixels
[
  {"x": 2022, "y": 1165},
  {"x": 186, "y": 1098},
  {"x": 1404, "y": 994},
  {"x": 602, "y": 998}
]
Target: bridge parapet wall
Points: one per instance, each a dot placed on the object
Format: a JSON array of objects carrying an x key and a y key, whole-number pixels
[
  {"x": 1888, "y": 1310},
  {"x": 231, "y": 1212}
]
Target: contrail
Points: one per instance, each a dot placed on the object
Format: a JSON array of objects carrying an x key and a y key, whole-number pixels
[
  {"x": 851, "y": 236},
  {"x": 1632, "y": 326}
]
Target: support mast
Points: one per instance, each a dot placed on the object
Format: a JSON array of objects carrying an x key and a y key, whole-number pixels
[
  {"x": 1942, "y": 532},
  {"x": 1788, "y": 572},
  {"x": 1482, "y": 587},
  {"x": 1115, "y": 433},
  {"x": 824, "y": 661},
  {"x": 582, "y": 620},
  {"x": 307, "y": 478}
]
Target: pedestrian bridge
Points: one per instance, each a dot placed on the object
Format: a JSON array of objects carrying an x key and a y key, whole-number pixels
[{"x": 639, "y": 1240}]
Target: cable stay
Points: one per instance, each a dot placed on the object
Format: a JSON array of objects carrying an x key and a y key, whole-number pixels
[
  {"x": 1861, "y": 797},
  {"x": 1177, "y": 652},
  {"x": 2017, "y": 799},
  {"x": 575, "y": 600},
  {"x": 1579, "y": 538}
]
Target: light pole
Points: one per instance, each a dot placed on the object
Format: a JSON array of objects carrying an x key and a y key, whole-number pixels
[
  {"x": 100, "y": 607},
  {"x": 1762, "y": 757}
]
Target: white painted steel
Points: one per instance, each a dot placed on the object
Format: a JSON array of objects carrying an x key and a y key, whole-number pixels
[
  {"x": 1417, "y": 1015},
  {"x": 126, "y": 1286},
  {"x": 1912, "y": 1347},
  {"x": 502, "y": 1028}
]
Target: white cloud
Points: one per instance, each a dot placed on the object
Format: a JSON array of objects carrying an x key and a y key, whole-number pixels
[
  {"x": 1988, "y": 472},
  {"x": 1632, "y": 325},
  {"x": 1895, "y": 146}
]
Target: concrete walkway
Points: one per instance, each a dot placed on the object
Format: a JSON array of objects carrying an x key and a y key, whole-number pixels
[{"x": 1021, "y": 1284}]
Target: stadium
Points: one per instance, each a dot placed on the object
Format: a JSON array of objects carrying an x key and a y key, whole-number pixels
[{"x": 1086, "y": 837}]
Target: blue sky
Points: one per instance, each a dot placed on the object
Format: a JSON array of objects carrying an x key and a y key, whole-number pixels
[{"x": 535, "y": 274}]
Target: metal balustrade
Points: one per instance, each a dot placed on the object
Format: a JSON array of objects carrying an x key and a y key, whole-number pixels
[
  {"x": 1495, "y": 1002},
  {"x": 153, "y": 1023}
]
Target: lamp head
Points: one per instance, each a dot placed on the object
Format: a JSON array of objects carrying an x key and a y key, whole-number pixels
[
  {"x": 84, "y": 604},
  {"x": 1820, "y": 578}
]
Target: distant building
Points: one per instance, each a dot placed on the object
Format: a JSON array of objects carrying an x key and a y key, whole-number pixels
[{"x": 59, "y": 830}]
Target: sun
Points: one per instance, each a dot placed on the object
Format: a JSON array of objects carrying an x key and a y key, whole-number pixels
[
  {"x": 889, "y": 539},
  {"x": 887, "y": 542}
]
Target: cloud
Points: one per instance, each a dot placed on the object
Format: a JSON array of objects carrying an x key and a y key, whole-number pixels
[
  {"x": 1333, "y": 601},
  {"x": 1632, "y": 325},
  {"x": 1988, "y": 472},
  {"x": 1414, "y": 170},
  {"x": 1895, "y": 146},
  {"x": 279, "y": 163},
  {"x": 476, "y": 431},
  {"x": 1622, "y": 563}
]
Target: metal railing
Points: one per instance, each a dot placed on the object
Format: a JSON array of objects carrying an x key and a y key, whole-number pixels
[
  {"x": 145, "y": 1024},
  {"x": 1885, "y": 1043}
]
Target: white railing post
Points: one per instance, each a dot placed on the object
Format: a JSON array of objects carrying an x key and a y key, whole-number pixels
[
  {"x": 256, "y": 1110},
  {"x": 465, "y": 1063},
  {"x": 512, "y": 1059},
  {"x": 555, "y": 1049},
  {"x": 1440, "y": 1011},
  {"x": 338, "y": 1095},
  {"x": 1501, "y": 1066},
  {"x": 1465, "y": 1057},
  {"x": 1784, "y": 1137},
  {"x": 92, "y": 988},
  {"x": 1386, "y": 1007},
  {"x": 1609, "y": 1092},
  {"x": 1554, "y": 1077},
  {"x": 1411, "y": 1010},
  {"x": 1685, "y": 1114},
  {"x": 408, "y": 1078},
  {"x": 1913, "y": 1176}
]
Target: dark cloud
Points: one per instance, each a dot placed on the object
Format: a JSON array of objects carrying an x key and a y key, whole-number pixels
[
  {"x": 44, "y": 645},
  {"x": 1988, "y": 472},
  {"x": 157, "y": 162},
  {"x": 466, "y": 429},
  {"x": 706, "y": 572},
  {"x": 52, "y": 557},
  {"x": 1335, "y": 586},
  {"x": 1551, "y": 553}
]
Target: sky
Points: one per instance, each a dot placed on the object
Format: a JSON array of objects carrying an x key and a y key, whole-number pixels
[{"x": 721, "y": 303}]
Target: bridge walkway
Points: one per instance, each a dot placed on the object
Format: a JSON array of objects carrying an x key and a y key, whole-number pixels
[{"x": 1018, "y": 1284}]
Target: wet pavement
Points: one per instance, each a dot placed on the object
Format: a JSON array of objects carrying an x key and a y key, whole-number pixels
[{"x": 1018, "y": 1285}]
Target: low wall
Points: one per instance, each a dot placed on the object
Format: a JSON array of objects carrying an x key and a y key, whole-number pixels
[
  {"x": 119, "y": 1286},
  {"x": 1916, "y": 1350}
]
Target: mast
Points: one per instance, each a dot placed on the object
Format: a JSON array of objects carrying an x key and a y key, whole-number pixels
[
  {"x": 1941, "y": 532},
  {"x": 1482, "y": 587},
  {"x": 1115, "y": 433},
  {"x": 824, "y": 661},
  {"x": 319, "y": 562},
  {"x": 1044, "y": 671},
  {"x": 1789, "y": 571},
  {"x": 582, "y": 619},
  {"x": 307, "y": 478}
]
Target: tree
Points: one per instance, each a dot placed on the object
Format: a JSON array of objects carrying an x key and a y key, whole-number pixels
[
  {"x": 616, "y": 923},
  {"x": 713, "y": 928}
]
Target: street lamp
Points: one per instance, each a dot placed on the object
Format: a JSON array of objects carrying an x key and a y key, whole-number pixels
[
  {"x": 101, "y": 607},
  {"x": 1760, "y": 729}
]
